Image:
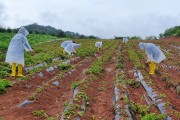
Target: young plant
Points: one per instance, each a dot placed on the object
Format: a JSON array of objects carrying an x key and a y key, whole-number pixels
[
  {"x": 142, "y": 110},
  {"x": 49, "y": 118},
  {"x": 38, "y": 113},
  {"x": 101, "y": 89},
  {"x": 133, "y": 83},
  {"x": 65, "y": 104},
  {"x": 74, "y": 85},
  {"x": 64, "y": 66},
  {"x": 81, "y": 113},
  {"x": 3, "y": 84},
  {"x": 40, "y": 89}
]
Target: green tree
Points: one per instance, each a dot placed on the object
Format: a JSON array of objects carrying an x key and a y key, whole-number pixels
[
  {"x": 61, "y": 34},
  {"x": 151, "y": 38},
  {"x": 177, "y": 33},
  {"x": 136, "y": 38}
]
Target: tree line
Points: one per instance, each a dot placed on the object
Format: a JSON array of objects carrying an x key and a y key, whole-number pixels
[{"x": 49, "y": 30}]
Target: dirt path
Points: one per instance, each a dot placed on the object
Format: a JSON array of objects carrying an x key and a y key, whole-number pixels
[{"x": 101, "y": 93}]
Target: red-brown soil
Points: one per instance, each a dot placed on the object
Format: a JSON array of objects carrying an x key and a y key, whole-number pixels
[
  {"x": 51, "y": 100},
  {"x": 101, "y": 105}
]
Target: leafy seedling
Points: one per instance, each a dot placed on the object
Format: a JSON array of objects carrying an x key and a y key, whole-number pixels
[{"x": 38, "y": 113}]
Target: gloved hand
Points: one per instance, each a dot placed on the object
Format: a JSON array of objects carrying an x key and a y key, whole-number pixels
[{"x": 32, "y": 52}]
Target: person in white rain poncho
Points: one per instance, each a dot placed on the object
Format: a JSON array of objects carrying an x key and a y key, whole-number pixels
[
  {"x": 15, "y": 52},
  {"x": 98, "y": 45},
  {"x": 65, "y": 43},
  {"x": 125, "y": 40},
  {"x": 71, "y": 48},
  {"x": 154, "y": 55}
]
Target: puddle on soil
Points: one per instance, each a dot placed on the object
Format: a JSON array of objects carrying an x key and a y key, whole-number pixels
[
  {"x": 160, "y": 105},
  {"x": 56, "y": 83},
  {"x": 26, "y": 102}
]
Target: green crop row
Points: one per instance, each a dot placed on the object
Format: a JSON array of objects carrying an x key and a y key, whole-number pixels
[
  {"x": 81, "y": 101},
  {"x": 97, "y": 67},
  {"x": 135, "y": 56}
]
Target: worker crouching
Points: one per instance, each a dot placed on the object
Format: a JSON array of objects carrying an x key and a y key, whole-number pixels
[{"x": 154, "y": 55}]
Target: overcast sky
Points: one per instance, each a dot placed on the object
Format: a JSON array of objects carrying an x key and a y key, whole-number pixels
[{"x": 103, "y": 18}]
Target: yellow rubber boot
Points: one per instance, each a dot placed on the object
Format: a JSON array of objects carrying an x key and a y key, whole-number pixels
[
  {"x": 20, "y": 70},
  {"x": 152, "y": 66},
  {"x": 13, "y": 74}
]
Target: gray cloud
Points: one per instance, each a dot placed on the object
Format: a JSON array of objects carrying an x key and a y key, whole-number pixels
[{"x": 3, "y": 15}]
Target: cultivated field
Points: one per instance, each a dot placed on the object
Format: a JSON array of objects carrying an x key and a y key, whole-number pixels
[{"x": 110, "y": 84}]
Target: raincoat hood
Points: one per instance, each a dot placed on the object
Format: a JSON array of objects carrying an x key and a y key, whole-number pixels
[
  {"x": 23, "y": 31},
  {"x": 142, "y": 45}
]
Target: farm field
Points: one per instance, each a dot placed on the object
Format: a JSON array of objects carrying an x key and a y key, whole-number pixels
[{"x": 110, "y": 84}]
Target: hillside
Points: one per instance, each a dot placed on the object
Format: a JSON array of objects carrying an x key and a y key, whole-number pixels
[{"x": 49, "y": 30}]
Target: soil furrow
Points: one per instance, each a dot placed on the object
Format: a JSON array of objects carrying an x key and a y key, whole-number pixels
[
  {"x": 101, "y": 93},
  {"x": 52, "y": 99}
]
